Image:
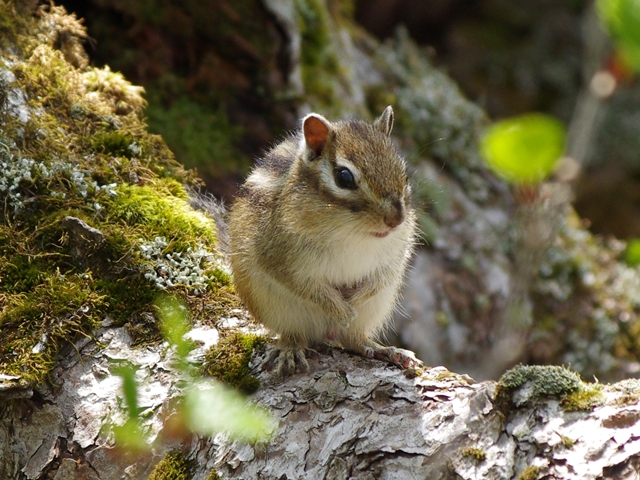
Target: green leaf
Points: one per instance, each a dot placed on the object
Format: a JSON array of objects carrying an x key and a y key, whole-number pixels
[
  {"x": 173, "y": 316},
  {"x": 524, "y": 149},
  {"x": 622, "y": 20},
  {"x": 632, "y": 253},
  {"x": 211, "y": 407},
  {"x": 129, "y": 388},
  {"x": 130, "y": 435}
]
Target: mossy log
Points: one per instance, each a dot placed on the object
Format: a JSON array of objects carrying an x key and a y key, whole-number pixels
[{"x": 97, "y": 223}]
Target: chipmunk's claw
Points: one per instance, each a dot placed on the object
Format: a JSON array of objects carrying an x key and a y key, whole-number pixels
[
  {"x": 287, "y": 360},
  {"x": 398, "y": 356}
]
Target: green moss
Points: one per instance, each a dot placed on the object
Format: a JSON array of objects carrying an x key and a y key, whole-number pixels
[
  {"x": 567, "y": 442},
  {"x": 228, "y": 361},
  {"x": 529, "y": 473},
  {"x": 12, "y": 25},
  {"x": 128, "y": 297},
  {"x": 160, "y": 209},
  {"x": 34, "y": 325},
  {"x": 543, "y": 381},
  {"x": 74, "y": 144},
  {"x": 172, "y": 467},
  {"x": 477, "y": 454},
  {"x": 585, "y": 398},
  {"x": 221, "y": 277},
  {"x": 551, "y": 381},
  {"x": 19, "y": 271},
  {"x": 115, "y": 143},
  {"x": 319, "y": 64},
  {"x": 213, "y": 475},
  {"x": 201, "y": 136}
]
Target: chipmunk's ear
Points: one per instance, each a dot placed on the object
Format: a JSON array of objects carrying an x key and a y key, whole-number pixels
[
  {"x": 384, "y": 122},
  {"x": 316, "y": 130}
]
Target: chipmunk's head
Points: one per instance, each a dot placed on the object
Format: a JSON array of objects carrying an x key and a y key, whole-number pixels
[{"x": 357, "y": 171}]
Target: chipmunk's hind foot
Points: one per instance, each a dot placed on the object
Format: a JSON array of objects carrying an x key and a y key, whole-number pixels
[
  {"x": 397, "y": 356},
  {"x": 288, "y": 359}
]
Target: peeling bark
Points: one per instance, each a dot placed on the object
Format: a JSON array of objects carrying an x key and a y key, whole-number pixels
[{"x": 348, "y": 417}]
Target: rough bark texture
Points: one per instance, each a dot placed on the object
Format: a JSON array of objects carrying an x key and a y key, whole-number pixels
[{"x": 348, "y": 417}]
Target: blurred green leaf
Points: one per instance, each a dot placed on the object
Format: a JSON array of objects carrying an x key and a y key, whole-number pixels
[
  {"x": 210, "y": 407},
  {"x": 130, "y": 434},
  {"x": 174, "y": 324},
  {"x": 632, "y": 253},
  {"x": 129, "y": 388},
  {"x": 622, "y": 20},
  {"x": 524, "y": 149},
  {"x": 207, "y": 407}
]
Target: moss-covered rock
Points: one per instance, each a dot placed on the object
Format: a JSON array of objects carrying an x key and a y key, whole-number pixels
[
  {"x": 212, "y": 76},
  {"x": 541, "y": 381},
  {"x": 588, "y": 396},
  {"x": 173, "y": 466},
  {"x": 587, "y": 305},
  {"x": 228, "y": 360},
  {"x": 529, "y": 384},
  {"x": 476, "y": 454},
  {"x": 96, "y": 221},
  {"x": 529, "y": 473}
]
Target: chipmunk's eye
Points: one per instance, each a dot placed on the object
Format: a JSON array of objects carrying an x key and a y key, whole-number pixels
[{"x": 344, "y": 178}]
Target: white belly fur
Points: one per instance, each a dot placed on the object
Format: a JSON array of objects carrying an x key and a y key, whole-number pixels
[
  {"x": 357, "y": 258},
  {"x": 284, "y": 312}
]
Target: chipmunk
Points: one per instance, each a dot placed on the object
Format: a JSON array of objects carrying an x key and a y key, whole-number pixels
[{"x": 320, "y": 237}]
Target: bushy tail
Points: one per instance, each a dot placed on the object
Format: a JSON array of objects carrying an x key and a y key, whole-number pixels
[{"x": 215, "y": 209}]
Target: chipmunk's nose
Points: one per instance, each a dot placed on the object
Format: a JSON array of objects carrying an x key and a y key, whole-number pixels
[{"x": 395, "y": 215}]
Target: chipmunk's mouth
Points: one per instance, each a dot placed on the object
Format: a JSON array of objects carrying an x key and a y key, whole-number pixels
[{"x": 381, "y": 234}]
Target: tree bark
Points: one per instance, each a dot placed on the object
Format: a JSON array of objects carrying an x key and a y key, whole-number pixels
[{"x": 348, "y": 417}]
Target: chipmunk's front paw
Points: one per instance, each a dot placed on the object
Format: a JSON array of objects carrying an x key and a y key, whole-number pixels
[
  {"x": 286, "y": 360},
  {"x": 347, "y": 315},
  {"x": 398, "y": 356}
]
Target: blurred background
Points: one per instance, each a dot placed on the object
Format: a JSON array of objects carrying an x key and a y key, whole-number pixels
[{"x": 509, "y": 57}]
